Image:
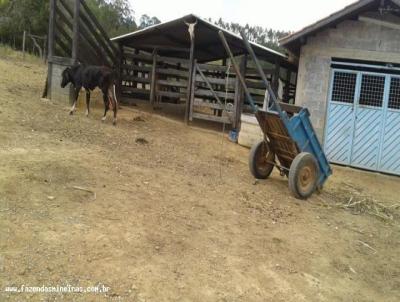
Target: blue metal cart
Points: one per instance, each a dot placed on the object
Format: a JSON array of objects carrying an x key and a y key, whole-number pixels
[{"x": 290, "y": 143}]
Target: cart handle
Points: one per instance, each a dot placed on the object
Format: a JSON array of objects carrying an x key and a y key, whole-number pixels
[
  {"x": 237, "y": 70},
  {"x": 261, "y": 72}
]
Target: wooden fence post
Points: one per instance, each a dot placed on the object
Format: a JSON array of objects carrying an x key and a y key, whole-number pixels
[
  {"x": 75, "y": 38},
  {"x": 23, "y": 44},
  {"x": 191, "y": 28},
  {"x": 192, "y": 89},
  {"x": 120, "y": 62},
  {"x": 286, "y": 91},
  {"x": 50, "y": 52},
  {"x": 275, "y": 78},
  {"x": 45, "y": 41},
  {"x": 153, "y": 78},
  {"x": 239, "y": 93},
  {"x": 135, "y": 73}
]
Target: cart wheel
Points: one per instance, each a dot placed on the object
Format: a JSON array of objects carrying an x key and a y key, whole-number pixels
[
  {"x": 260, "y": 160},
  {"x": 303, "y": 175}
]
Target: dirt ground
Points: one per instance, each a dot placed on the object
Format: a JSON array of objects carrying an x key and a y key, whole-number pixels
[{"x": 173, "y": 214}]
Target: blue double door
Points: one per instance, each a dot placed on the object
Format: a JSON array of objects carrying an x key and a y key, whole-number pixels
[{"x": 363, "y": 121}]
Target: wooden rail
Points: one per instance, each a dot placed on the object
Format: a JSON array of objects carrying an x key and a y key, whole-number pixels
[
  {"x": 215, "y": 94},
  {"x": 100, "y": 28},
  {"x": 76, "y": 33}
]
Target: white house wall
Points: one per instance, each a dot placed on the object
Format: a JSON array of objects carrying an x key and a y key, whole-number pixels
[{"x": 349, "y": 40}]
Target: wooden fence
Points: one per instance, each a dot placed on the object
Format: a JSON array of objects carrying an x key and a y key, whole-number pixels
[
  {"x": 216, "y": 94},
  {"x": 75, "y": 33},
  {"x": 74, "y": 36},
  {"x": 209, "y": 91},
  {"x": 152, "y": 77}
]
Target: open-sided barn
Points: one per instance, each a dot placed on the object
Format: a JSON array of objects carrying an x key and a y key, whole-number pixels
[
  {"x": 181, "y": 62},
  {"x": 349, "y": 78}
]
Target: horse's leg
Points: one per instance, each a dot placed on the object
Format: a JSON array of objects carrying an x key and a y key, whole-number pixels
[
  {"x": 87, "y": 101},
  {"x": 106, "y": 104},
  {"x": 77, "y": 89}
]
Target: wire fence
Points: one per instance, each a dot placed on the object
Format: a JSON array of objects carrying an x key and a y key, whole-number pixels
[{"x": 27, "y": 43}]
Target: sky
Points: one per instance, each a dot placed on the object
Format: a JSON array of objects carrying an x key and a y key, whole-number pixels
[{"x": 278, "y": 14}]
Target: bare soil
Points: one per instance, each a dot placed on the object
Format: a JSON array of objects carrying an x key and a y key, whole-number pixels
[{"x": 173, "y": 214}]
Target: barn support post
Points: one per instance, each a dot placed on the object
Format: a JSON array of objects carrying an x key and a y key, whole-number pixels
[
  {"x": 223, "y": 63},
  {"x": 191, "y": 29},
  {"x": 239, "y": 93},
  {"x": 275, "y": 78},
  {"x": 75, "y": 38},
  {"x": 50, "y": 51},
  {"x": 120, "y": 63},
  {"x": 135, "y": 73},
  {"x": 287, "y": 85},
  {"x": 192, "y": 88},
  {"x": 153, "y": 82}
]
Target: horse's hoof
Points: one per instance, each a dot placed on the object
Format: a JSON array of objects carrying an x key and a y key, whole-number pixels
[{"x": 71, "y": 113}]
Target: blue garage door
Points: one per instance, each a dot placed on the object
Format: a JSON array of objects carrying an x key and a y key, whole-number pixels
[{"x": 363, "y": 122}]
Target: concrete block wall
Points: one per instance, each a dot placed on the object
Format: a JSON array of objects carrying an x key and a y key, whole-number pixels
[
  {"x": 356, "y": 40},
  {"x": 250, "y": 131},
  {"x": 63, "y": 95}
]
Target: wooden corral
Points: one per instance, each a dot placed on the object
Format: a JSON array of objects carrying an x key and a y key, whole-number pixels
[
  {"x": 75, "y": 35},
  {"x": 179, "y": 62},
  {"x": 184, "y": 62}
]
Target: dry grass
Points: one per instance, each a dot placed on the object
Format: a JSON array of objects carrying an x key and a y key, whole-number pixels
[
  {"x": 11, "y": 54},
  {"x": 368, "y": 205},
  {"x": 352, "y": 199},
  {"x": 83, "y": 203}
]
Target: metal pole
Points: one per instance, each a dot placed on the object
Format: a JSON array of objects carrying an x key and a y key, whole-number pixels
[
  {"x": 237, "y": 70},
  {"x": 261, "y": 72},
  {"x": 239, "y": 93}
]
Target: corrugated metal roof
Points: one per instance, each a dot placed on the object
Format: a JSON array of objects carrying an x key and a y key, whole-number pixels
[{"x": 208, "y": 46}]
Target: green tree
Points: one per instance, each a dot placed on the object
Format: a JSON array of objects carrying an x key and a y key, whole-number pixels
[
  {"x": 19, "y": 15},
  {"x": 116, "y": 16},
  {"x": 263, "y": 36},
  {"x": 146, "y": 21}
]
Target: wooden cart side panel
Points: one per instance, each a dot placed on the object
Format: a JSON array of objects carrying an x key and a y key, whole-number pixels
[
  {"x": 303, "y": 133},
  {"x": 279, "y": 140}
]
